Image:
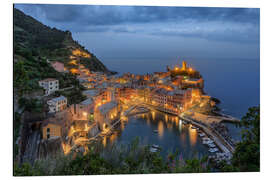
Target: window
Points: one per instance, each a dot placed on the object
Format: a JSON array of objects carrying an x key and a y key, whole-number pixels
[{"x": 48, "y": 133}]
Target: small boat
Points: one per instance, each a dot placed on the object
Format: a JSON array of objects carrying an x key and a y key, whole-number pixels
[
  {"x": 201, "y": 134},
  {"x": 206, "y": 139},
  {"x": 155, "y": 146},
  {"x": 153, "y": 150},
  {"x": 211, "y": 145},
  {"x": 208, "y": 142},
  {"x": 155, "y": 131},
  {"x": 212, "y": 150},
  {"x": 193, "y": 127}
]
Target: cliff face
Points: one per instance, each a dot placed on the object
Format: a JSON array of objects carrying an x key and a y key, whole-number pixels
[{"x": 50, "y": 43}]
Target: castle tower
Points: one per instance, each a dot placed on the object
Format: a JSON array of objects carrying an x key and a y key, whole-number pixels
[{"x": 184, "y": 65}]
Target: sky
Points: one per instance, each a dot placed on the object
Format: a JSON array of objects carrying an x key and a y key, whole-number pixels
[{"x": 130, "y": 32}]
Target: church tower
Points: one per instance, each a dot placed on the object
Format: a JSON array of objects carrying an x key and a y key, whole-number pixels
[{"x": 184, "y": 65}]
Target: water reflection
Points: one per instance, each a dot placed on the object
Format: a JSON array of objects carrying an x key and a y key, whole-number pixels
[
  {"x": 160, "y": 129},
  {"x": 166, "y": 118},
  {"x": 192, "y": 136},
  {"x": 104, "y": 141},
  {"x": 180, "y": 125},
  {"x": 176, "y": 120},
  {"x": 169, "y": 125},
  {"x": 113, "y": 137},
  {"x": 153, "y": 115},
  {"x": 171, "y": 134}
]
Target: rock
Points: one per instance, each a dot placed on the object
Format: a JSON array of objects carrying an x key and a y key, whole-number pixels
[{"x": 50, "y": 147}]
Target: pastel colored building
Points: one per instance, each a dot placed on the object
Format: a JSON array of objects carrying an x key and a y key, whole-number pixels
[
  {"x": 105, "y": 114},
  {"x": 51, "y": 129},
  {"x": 50, "y": 85},
  {"x": 57, "y": 104},
  {"x": 58, "y": 66}
]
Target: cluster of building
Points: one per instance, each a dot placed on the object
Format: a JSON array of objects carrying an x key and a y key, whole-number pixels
[{"x": 106, "y": 96}]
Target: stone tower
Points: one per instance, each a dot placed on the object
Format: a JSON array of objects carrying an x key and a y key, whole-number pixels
[{"x": 184, "y": 65}]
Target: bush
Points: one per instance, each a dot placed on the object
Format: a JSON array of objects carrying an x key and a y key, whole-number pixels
[{"x": 132, "y": 158}]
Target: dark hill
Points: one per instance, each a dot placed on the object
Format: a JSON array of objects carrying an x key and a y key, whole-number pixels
[{"x": 43, "y": 41}]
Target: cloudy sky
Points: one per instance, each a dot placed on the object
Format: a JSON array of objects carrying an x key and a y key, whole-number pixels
[{"x": 112, "y": 32}]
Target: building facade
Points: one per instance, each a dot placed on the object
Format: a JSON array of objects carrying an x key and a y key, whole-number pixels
[
  {"x": 105, "y": 114},
  {"x": 57, "y": 104},
  {"x": 50, "y": 85}
]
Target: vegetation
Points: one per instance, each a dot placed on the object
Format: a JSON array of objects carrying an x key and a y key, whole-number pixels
[
  {"x": 31, "y": 105},
  {"x": 49, "y": 43},
  {"x": 16, "y": 132},
  {"x": 246, "y": 157},
  {"x": 135, "y": 158},
  {"x": 126, "y": 159}
]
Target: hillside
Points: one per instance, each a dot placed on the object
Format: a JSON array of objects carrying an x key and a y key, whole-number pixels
[{"x": 39, "y": 40}]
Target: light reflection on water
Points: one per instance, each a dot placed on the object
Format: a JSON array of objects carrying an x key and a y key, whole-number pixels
[
  {"x": 171, "y": 134},
  {"x": 193, "y": 136},
  {"x": 160, "y": 129}
]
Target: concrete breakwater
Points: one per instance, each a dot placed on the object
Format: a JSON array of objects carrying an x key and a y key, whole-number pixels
[{"x": 219, "y": 140}]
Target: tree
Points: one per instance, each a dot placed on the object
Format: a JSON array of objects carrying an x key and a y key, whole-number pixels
[{"x": 247, "y": 153}]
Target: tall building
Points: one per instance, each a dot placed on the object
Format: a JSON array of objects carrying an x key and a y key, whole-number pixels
[{"x": 184, "y": 65}]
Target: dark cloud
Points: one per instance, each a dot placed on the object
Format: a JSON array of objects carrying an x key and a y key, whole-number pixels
[
  {"x": 113, "y": 15},
  {"x": 219, "y": 24}
]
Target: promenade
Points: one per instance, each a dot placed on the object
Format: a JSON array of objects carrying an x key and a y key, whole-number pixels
[{"x": 217, "y": 138}]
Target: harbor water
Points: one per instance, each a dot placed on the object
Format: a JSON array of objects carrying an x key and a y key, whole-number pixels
[{"x": 167, "y": 131}]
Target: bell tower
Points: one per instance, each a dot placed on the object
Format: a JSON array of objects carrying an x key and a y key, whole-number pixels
[{"x": 184, "y": 65}]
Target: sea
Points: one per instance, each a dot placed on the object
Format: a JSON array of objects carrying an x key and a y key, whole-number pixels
[{"x": 234, "y": 81}]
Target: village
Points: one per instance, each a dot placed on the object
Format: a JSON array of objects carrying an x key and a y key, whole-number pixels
[{"x": 110, "y": 99}]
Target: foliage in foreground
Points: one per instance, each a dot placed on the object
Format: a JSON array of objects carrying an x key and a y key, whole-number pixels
[
  {"x": 137, "y": 159},
  {"x": 246, "y": 157},
  {"x": 124, "y": 159}
]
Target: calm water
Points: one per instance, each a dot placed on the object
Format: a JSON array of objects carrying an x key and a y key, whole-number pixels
[
  {"x": 171, "y": 134},
  {"x": 236, "y": 82}
]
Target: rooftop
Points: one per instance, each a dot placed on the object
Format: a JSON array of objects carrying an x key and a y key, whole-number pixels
[
  {"x": 60, "y": 98},
  {"x": 91, "y": 92},
  {"x": 87, "y": 101},
  {"x": 107, "y": 107}
]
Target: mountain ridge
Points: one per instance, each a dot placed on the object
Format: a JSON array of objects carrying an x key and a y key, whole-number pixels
[{"x": 51, "y": 43}]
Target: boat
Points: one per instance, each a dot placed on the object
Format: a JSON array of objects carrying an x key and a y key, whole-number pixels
[
  {"x": 208, "y": 142},
  {"x": 212, "y": 150},
  {"x": 155, "y": 146},
  {"x": 211, "y": 145},
  {"x": 193, "y": 127},
  {"x": 155, "y": 131},
  {"x": 206, "y": 139},
  {"x": 201, "y": 134},
  {"x": 153, "y": 150}
]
